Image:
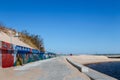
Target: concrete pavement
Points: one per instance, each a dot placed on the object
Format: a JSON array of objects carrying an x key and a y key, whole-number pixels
[{"x": 52, "y": 69}]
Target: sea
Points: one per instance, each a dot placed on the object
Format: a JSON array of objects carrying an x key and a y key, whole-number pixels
[{"x": 110, "y": 68}]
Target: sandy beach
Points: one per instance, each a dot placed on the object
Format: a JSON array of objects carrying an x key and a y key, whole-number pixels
[{"x": 89, "y": 59}]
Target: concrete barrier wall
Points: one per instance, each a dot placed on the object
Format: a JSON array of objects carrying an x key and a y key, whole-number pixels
[
  {"x": 94, "y": 75},
  {"x": 14, "y": 55}
]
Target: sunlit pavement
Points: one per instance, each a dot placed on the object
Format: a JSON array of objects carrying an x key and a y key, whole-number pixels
[{"x": 52, "y": 69}]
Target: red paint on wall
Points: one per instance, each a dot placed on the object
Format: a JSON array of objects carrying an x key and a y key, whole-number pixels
[
  {"x": 7, "y": 57},
  {"x": 7, "y": 60}
]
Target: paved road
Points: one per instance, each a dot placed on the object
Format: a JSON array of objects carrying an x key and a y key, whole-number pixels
[{"x": 54, "y": 69}]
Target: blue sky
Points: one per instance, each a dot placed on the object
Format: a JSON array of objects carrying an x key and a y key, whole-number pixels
[{"x": 67, "y": 26}]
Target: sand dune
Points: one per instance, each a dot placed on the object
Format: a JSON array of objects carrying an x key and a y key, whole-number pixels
[{"x": 12, "y": 39}]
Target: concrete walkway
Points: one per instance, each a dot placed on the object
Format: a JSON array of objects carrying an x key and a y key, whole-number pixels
[{"x": 53, "y": 69}]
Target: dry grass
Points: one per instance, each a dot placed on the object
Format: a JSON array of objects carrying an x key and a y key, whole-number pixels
[
  {"x": 27, "y": 40},
  {"x": 8, "y": 31},
  {"x": 23, "y": 38}
]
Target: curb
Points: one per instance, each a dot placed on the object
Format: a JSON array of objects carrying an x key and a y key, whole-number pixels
[{"x": 94, "y": 75}]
